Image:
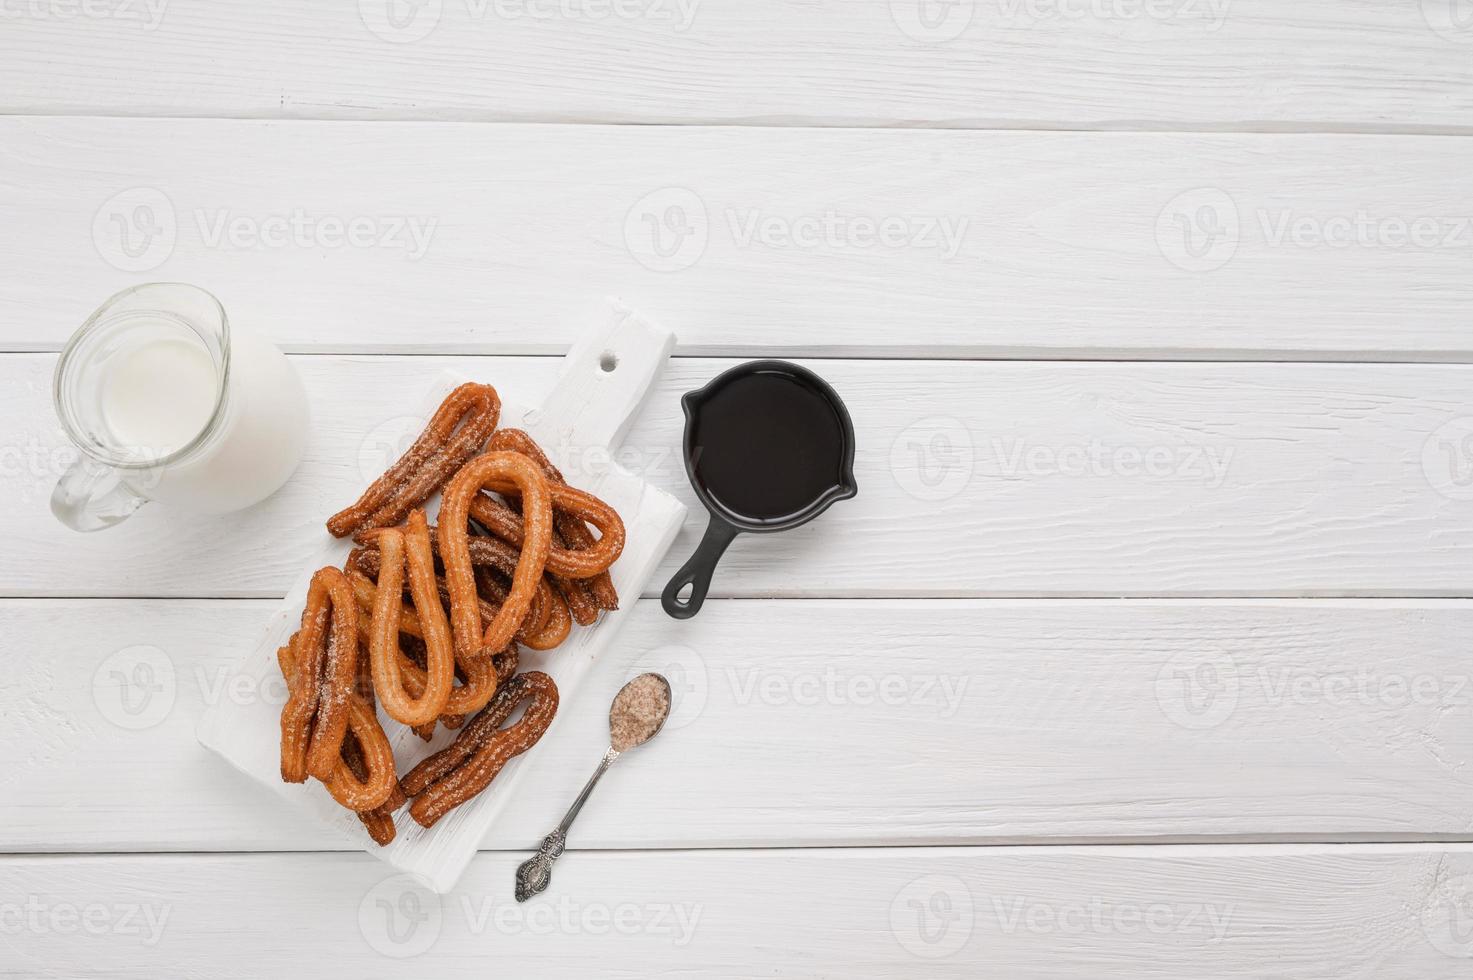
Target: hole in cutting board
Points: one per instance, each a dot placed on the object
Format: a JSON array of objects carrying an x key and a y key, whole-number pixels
[{"x": 607, "y": 361}]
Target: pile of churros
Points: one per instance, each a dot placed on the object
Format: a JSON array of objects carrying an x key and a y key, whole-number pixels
[{"x": 425, "y": 621}]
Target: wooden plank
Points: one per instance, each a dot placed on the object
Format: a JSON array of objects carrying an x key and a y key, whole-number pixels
[
  {"x": 1024, "y": 63},
  {"x": 937, "y": 722},
  {"x": 752, "y": 242},
  {"x": 1313, "y": 913},
  {"x": 976, "y": 479}
]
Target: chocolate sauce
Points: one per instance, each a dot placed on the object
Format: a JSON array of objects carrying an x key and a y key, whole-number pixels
[{"x": 766, "y": 446}]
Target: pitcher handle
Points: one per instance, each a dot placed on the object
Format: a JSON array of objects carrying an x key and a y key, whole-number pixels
[{"x": 91, "y": 496}]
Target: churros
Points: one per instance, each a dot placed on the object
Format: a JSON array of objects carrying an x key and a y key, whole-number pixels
[
  {"x": 426, "y": 621},
  {"x": 321, "y": 667},
  {"x": 428, "y": 464},
  {"x": 467, "y": 766},
  {"x": 494, "y": 471},
  {"x": 408, "y": 552}
]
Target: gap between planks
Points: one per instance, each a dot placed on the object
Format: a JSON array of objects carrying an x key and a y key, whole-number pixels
[{"x": 922, "y": 354}]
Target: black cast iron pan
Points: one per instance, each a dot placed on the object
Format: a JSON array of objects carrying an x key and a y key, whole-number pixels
[{"x": 768, "y": 446}]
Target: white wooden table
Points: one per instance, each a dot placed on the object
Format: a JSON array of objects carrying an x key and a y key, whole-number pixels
[{"x": 1145, "y": 648}]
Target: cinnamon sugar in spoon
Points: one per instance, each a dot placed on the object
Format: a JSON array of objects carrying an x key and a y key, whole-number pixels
[{"x": 636, "y": 716}]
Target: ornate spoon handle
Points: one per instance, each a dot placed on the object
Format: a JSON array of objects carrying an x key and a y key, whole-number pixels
[{"x": 535, "y": 873}]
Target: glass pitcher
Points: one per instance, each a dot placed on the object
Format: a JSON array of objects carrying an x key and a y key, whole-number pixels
[{"x": 167, "y": 400}]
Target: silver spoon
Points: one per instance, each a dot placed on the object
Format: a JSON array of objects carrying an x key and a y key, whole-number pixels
[{"x": 636, "y": 716}]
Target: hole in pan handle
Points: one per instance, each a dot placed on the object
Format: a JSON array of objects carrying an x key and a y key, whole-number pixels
[{"x": 696, "y": 573}]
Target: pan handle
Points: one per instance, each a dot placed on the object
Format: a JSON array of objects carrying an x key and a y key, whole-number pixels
[{"x": 697, "y": 572}]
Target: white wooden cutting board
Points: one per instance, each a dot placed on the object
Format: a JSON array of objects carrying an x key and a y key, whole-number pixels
[{"x": 581, "y": 425}]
